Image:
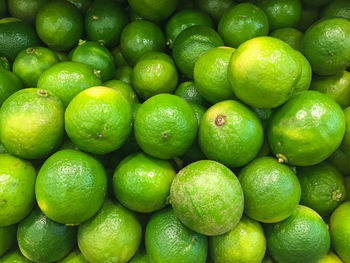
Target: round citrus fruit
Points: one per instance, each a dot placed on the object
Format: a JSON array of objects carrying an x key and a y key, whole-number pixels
[
  {"x": 188, "y": 91},
  {"x": 341, "y": 161},
  {"x": 215, "y": 8},
  {"x": 70, "y": 187},
  {"x": 74, "y": 257},
  {"x": 119, "y": 59},
  {"x": 207, "y": 197},
  {"x": 154, "y": 10},
  {"x": 124, "y": 73},
  {"x": 305, "y": 75},
  {"x": 337, "y": 8},
  {"x": 308, "y": 16},
  {"x": 9, "y": 84},
  {"x": 31, "y": 123},
  {"x": 7, "y": 238},
  {"x": 25, "y": 9},
  {"x": 289, "y": 35},
  {"x": 330, "y": 258},
  {"x": 230, "y": 133},
  {"x": 345, "y": 145},
  {"x": 14, "y": 256},
  {"x": 165, "y": 126},
  {"x": 307, "y": 129},
  {"x": 140, "y": 257},
  {"x": 124, "y": 89}
]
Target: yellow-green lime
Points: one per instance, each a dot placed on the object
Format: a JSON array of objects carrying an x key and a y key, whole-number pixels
[
  {"x": 124, "y": 89},
  {"x": 304, "y": 81},
  {"x": 289, "y": 35},
  {"x": 14, "y": 256},
  {"x": 25, "y": 10},
  {"x": 124, "y": 73},
  {"x": 9, "y": 84},
  {"x": 215, "y": 8},
  {"x": 188, "y": 91},
  {"x": 7, "y": 238},
  {"x": 330, "y": 258},
  {"x": 74, "y": 257},
  {"x": 345, "y": 145},
  {"x": 154, "y": 10}
]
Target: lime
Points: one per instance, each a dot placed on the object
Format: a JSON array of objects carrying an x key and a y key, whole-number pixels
[
  {"x": 82, "y": 5},
  {"x": 104, "y": 22},
  {"x": 123, "y": 89},
  {"x": 330, "y": 258},
  {"x": 43, "y": 240},
  {"x": 326, "y": 44},
  {"x": 184, "y": 19},
  {"x": 315, "y": 3},
  {"x": 230, "y": 133},
  {"x": 165, "y": 126},
  {"x": 31, "y": 123},
  {"x": 74, "y": 257},
  {"x": 301, "y": 238},
  {"x": 308, "y": 16},
  {"x": 142, "y": 183},
  {"x": 241, "y": 23},
  {"x": 154, "y": 73},
  {"x": 337, "y": 8},
  {"x": 215, "y": 8},
  {"x": 59, "y": 25},
  {"x": 119, "y": 59},
  {"x": 191, "y": 43},
  {"x": 335, "y": 86},
  {"x": 307, "y": 129},
  {"x": 341, "y": 161},
  {"x": 168, "y": 240},
  {"x": 345, "y": 145},
  {"x": 289, "y": 35},
  {"x": 7, "y": 238},
  {"x": 210, "y": 74},
  {"x": 154, "y": 10},
  {"x": 322, "y": 187},
  {"x": 9, "y": 84},
  {"x": 140, "y": 37},
  {"x": 114, "y": 233},
  {"x": 70, "y": 187},
  {"x": 207, "y": 197},
  {"x": 281, "y": 13},
  {"x": 15, "y": 35},
  {"x": 61, "y": 56},
  {"x": 140, "y": 257},
  {"x": 31, "y": 63},
  {"x": 263, "y": 72},
  {"x": 340, "y": 231},
  {"x": 305, "y": 75},
  {"x": 67, "y": 79},
  {"x": 14, "y": 256},
  {"x": 97, "y": 56},
  {"x": 4, "y": 63},
  {"x": 271, "y": 190},
  {"x": 3, "y": 8},
  {"x": 25, "y": 10},
  {"x": 188, "y": 91},
  {"x": 245, "y": 243},
  {"x": 124, "y": 73}
]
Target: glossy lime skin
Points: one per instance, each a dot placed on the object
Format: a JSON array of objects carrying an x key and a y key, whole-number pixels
[
  {"x": 304, "y": 81},
  {"x": 326, "y": 44},
  {"x": 31, "y": 124},
  {"x": 230, "y": 133},
  {"x": 14, "y": 256},
  {"x": 168, "y": 240},
  {"x": 271, "y": 190},
  {"x": 289, "y": 35},
  {"x": 140, "y": 37},
  {"x": 43, "y": 240},
  {"x": 207, "y": 197},
  {"x": 31, "y": 63},
  {"x": 188, "y": 91},
  {"x": 303, "y": 237},
  {"x": 307, "y": 129},
  {"x": 25, "y": 10},
  {"x": 337, "y": 8},
  {"x": 7, "y": 238},
  {"x": 59, "y": 25},
  {"x": 114, "y": 232},
  {"x": 215, "y": 8},
  {"x": 124, "y": 89},
  {"x": 70, "y": 187},
  {"x": 154, "y": 10},
  {"x": 9, "y": 84},
  {"x": 104, "y": 22},
  {"x": 191, "y": 43},
  {"x": 165, "y": 126},
  {"x": 241, "y": 23},
  {"x": 245, "y": 243}
]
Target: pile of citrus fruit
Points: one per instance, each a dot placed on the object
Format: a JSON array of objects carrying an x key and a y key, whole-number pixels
[{"x": 175, "y": 131}]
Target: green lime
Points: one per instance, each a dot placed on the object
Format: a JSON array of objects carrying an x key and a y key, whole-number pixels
[
  {"x": 25, "y": 10},
  {"x": 140, "y": 257},
  {"x": 184, "y": 19},
  {"x": 67, "y": 79},
  {"x": 191, "y": 43},
  {"x": 7, "y": 238},
  {"x": 341, "y": 161},
  {"x": 154, "y": 10},
  {"x": 215, "y": 8},
  {"x": 301, "y": 238},
  {"x": 43, "y": 240},
  {"x": 165, "y": 126},
  {"x": 330, "y": 258},
  {"x": 123, "y": 89},
  {"x": 97, "y": 56},
  {"x": 307, "y": 129},
  {"x": 119, "y": 59},
  {"x": 245, "y": 243},
  {"x": 289, "y": 35},
  {"x": 168, "y": 240},
  {"x": 104, "y": 22},
  {"x": 281, "y": 13},
  {"x": 210, "y": 74},
  {"x": 241, "y": 23},
  {"x": 326, "y": 44},
  {"x": 124, "y": 73},
  {"x": 322, "y": 187},
  {"x": 9, "y": 84},
  {"x": 61, "y": 56},
  {"x": 82, "y": 5},
  {"x": 207, "y": 197},
  {"x": 31, "y": 124},
  {"x": 31, "y": 63},
  {"x": 59, "y": 25},
  {"x": 315, "y": 3},
  {"x": 14, "y": 256},
  {"x": 133, "y": 16},
  {"x": 337, "y": 8},
  {"x": 70, "y": 187},
  {"x": 4, "y": 63},
  {"x": 230, "y": 133},
  {"x": 74, "y": 257},
  {"x": 140, "y": 37},
  {"x": 263, "y": 72},
  {"x": 188, "y": 91},
  {"x": 335, "y": 86},
  {"x": 345, "y": 145},
  {"x": 340, "y": 231},
  {"x": 114, "y": 233},
  {"x": 271, "y": 190},
  {"x": 305, "y": 75},
  {"x": 142, "y": 183},
  {"x": 15, "y": 35},
  {"x": 308, "y": 16},
  {"x": 154, "y": 73}
]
